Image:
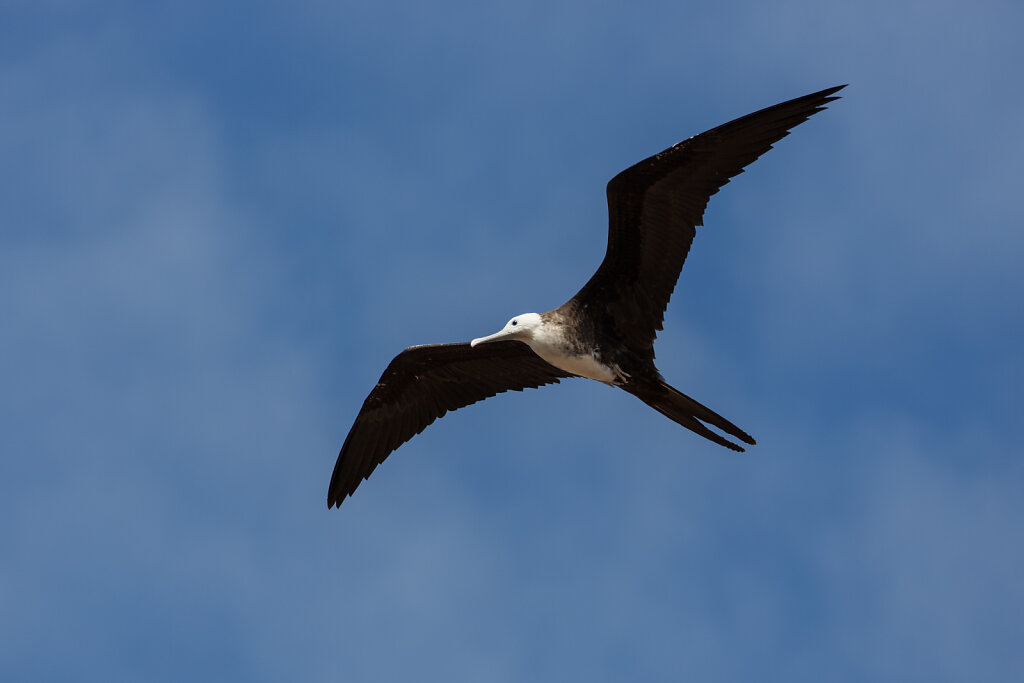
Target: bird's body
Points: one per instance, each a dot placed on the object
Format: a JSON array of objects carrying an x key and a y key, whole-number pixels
[
  {"x": 606, "y": 331},
  {"x": 562, "y": 339}
]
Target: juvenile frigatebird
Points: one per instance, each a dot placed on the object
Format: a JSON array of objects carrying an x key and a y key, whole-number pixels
[{"x": 606, "y": 332}]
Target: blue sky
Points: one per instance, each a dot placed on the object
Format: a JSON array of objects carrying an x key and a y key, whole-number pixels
[{"x": 219, "y": 223}]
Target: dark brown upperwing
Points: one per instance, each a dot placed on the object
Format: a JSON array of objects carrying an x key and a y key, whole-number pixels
[
  {"x": 420, "y": 385},
  {"x": 653, "y": 210}
]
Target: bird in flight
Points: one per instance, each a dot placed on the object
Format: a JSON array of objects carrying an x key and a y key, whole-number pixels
[{"x": 606, "y": 331}]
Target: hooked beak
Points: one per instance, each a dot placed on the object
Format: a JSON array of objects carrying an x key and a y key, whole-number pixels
[{"x": 491, "y": 337}]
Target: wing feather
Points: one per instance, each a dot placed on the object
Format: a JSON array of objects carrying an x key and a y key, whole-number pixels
[
  {"x": 419, "y": 386},
  {"x": 655, "y": 206}
]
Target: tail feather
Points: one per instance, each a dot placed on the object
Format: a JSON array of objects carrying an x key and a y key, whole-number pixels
[{"x": 680, "y": 408}]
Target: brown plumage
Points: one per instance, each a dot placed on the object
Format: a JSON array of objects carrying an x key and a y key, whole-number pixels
[
  {"x": 419, "y": 386},
  {"x": 607, "y": 330},
  {"x": 655, "y": 206}
]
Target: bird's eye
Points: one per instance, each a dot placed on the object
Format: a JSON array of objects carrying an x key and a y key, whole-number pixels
[{"x": 514, "y": 323}]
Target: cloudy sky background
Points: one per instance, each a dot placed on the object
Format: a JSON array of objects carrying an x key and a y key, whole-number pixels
[{"x": 219, "y": 223}]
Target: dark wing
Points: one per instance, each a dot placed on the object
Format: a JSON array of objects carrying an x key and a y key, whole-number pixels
[
  {"x": 653, "y": 210},
  {"x": 420, "y": 385}
]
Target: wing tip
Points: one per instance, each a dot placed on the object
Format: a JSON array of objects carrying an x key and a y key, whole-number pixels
[
  {"x": 336, "y": 495},
  {"x": 827, "y": 96}
]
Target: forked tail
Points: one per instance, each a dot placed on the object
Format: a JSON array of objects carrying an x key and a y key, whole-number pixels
[{"x": 678, "y": 407}]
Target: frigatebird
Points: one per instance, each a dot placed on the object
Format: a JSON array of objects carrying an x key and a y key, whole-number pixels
[{"x": 606, "y": 332}]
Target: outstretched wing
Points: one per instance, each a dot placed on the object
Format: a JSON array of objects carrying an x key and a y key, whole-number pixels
[
  {"x": 653, "y": 210},
  {"x": 420, "y": 385}
]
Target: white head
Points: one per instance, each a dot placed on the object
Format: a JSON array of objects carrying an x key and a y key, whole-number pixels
[{"x": 521, "y": 327}]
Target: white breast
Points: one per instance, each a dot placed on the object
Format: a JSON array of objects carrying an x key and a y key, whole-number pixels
[{"x": 584, "y": 365}]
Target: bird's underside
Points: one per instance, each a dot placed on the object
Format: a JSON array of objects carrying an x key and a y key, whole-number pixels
[{"x": 607, "y": 330}]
